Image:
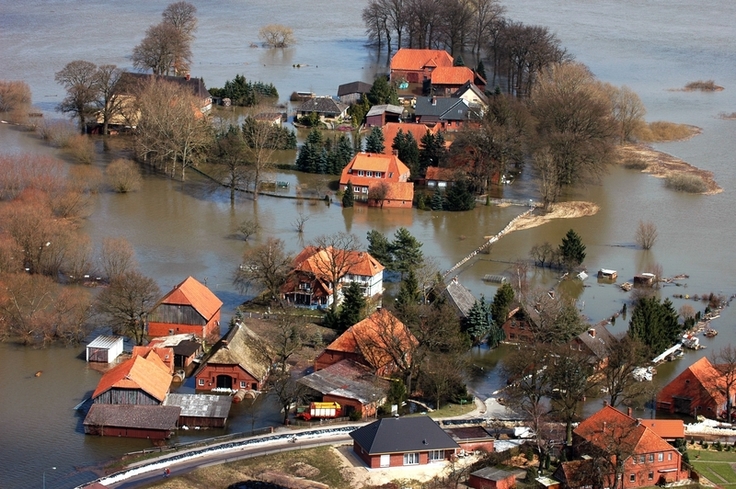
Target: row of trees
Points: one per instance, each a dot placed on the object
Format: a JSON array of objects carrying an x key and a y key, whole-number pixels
[
  {"x": 244, "y": 93},
  {"x": 323, "y": 155}
]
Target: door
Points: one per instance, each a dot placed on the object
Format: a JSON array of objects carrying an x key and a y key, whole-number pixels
[
  {"x": 224, "y": 382},
  {"x": 385, "y": 460}
]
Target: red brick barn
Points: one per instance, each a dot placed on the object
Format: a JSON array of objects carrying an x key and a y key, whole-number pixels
[
  {"x": 131, "y": 421},
  {"x": 416, "y": 65},
  {"x": 236, "y": 362},
  {"x": 398, "y": 442},
  {"x": 699, "y": 389},
  {"x": 190, "y": 307}
]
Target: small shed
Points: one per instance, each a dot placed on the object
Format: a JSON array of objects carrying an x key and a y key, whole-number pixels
[
  {"x": 607, "y": 274},
  {"x": 201, "y": 410},
  {"x": 131, "y": 421},
  {"x": 104, "y": 349},
  {"x": 645, "y": 279},
  {"x": 492, "y": 478},
  {"x": 547, "y": 483}
]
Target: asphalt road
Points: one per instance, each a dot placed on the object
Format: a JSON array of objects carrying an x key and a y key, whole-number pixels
[{"x": 181, "y": 467}]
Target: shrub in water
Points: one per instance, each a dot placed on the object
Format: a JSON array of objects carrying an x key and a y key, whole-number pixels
[{"x": 686, "y": 183}]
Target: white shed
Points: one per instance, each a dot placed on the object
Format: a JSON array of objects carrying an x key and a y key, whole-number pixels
[{"x": 105, "y": 349}]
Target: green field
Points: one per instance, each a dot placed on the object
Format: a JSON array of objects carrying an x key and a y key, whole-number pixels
[{"x": 718, "y": 467}]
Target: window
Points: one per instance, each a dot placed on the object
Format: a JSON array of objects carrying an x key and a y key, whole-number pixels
[
  {"x": 390, "y": 174},
  {"x": 642, "y": 459},
  {"x": 361, "y": 173},
  {"x": 254, "y": 386},
  {"x": 365, "y": 190},
  {"x": 242, "y": 384},
  {"x": 660, "y": 457},
  {"x": 370, "y": 174},
  {"x": 632, "y": 478},
  {"x": 201, "y": 381},
  {"x": 436, "y": 455},
  {"x": 411, "y": 458},
  {"x": 669, "y": 456},
  {"x": 651, "y": 476},
  {"x": 634, "y": 459},
  {"x": 651, "y": 457}
]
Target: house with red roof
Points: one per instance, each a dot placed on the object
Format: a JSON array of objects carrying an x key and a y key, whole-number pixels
[
  {"x": 309, "y": 284},
  {"x": 417, "y": 65},
  {"x": 612, "y": 445},
  {"x": 190, "y": 307},
  {"x": 380, "y": 180},
  {"x": 380, "y": 341},
  {"x": 446, "y": 80},
  {"x": 698, "y": 390},
  {"x": 141, "y": 380}
]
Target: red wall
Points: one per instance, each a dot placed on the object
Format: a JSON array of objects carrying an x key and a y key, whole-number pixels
[
  {"x": 396, "y": 459},
  {"x": 163, "y": 329},
  {"x": 210, "y": 372},
  {"x": 127, "y": 432}
]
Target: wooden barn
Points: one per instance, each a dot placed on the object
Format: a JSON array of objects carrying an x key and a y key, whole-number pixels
[
  {"x": 139, "y": 380},
  {"x": 104, "y": 349},
  {"x": 131, "y": 421},
  {"x": 190, "y": 307},
  {"x": 237, "y": 361},
  {"x": 201, "y": 410}
]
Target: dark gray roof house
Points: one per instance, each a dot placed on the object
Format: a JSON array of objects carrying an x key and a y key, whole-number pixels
[
  {"x": 452, "y": 110},
  {"x": 397, "y": 437},
  {"x": 351, "y": 92},
  {"x": 596, "y": 341},
  {"x": 325, "y": 107},
  {"x": 459, "y": 297}
]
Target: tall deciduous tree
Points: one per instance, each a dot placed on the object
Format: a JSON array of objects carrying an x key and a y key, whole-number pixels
[
  {"x": 165, "y": 50},
  {"x": 628, "y": 112},
  {"x": 183, "y": 16},
  {"x": 108, "y": 105},
  {"x": 116, "y": 258},
  {"x": 267, "y": 266},
  {"x": 570, "y": 381},
  {"x": 339, "y": 256},
  {"x": 277, "y": 36},
  {"x": 80, "y": 80},
  {"x": 126, "y": 302},
  {"x": 624, "y": 356}
]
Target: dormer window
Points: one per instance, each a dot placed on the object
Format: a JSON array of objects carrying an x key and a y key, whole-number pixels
[
  {"x": 361, "y": 173},
  {"x": 370, "y": 174}
]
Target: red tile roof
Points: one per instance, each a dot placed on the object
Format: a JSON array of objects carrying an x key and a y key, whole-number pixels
[
  {"x": 440, "y": 174},
  {"x": 452, "y": 75},
  {"x": 317, "y": 261},
  {"x": 149, "y": 375},
  {"x": 701, "y": 383},
  {"x": 610, "y": 426},
  {"x": 400, "y": 191},
  {"x": 372, "y": 336},
  {"x": 391, "y": 129},
  {"x": 191, "y": 292},
  {"x": 393, "y": 169},
  {"x": 416, "y": 59},
  {"x": 666, "y": 428}
]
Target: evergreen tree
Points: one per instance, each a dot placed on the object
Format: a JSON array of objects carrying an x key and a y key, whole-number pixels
[
  {"x": 348, "y": 199},
  {"x": 572, "y": 250},
  {"x": 481, "y": 69},
  {"x": 380, "y": 92},
  {"x": 344, "y": 151},
  {"x": 310, "y": 153},
  {"x": 358, "y": 110},
  {"x": 374, "y": 141},
  {"x": 502, "y": 304},
  {"x": 409, "y": 293},
  {"x": 458, "y": 61},
  {"x": 322, "y": 161},
  {"x": 437, "y": 200},
  {"x": 352, "y": 309},
  {"x": 459, "y": 198},
  {"x": 406, "y": 251},
  {"x": 478, "y": 324},
  {"x": 408, "y": 150},
  {"x": 380, "y": 248},
  {"x": 432, "y": 151},
  {"x": 655, "y": 324}
]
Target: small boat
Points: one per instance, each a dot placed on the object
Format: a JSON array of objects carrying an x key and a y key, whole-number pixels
[{"x": 710, "y": 333}]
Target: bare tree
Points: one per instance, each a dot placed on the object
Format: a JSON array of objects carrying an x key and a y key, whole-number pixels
[
  {"x": 625, "y": 356},
  {"x": 126, "y": 303},
  {"x": 570, "y": 382},
  {"x": 485, "y": 15},
  {"x": 123, "y": 176},
  {"x": 378, "y": 193},
  {"x": 181, "y": 15},
  {"x": 116, "y": 258},
  {"x": 266, "y": 265},
  {"x": 724, "y": 361},
  {"x": 338, "y": 253},
  {"x": 277, "y": 36},
  {"x": 248, "y": 228},
  {"x": 108, "y": 103},
  {"x": 646, "y": 234},
  {"x": 628, "y": 112},
  {"x": 80, "y": 80},
  {"x": 258, "y": 139},
  {"x": 230, "y": 153},
  {"x": 15, "y": 100},
  {"x": 286, "y": 339},
  {"x": 164, "y": 50},
  {"x": 287, "y": 389},
  {"x": 300, "y": 221}
]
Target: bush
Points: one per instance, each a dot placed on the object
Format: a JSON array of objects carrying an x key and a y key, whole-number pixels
[
  {"x": 355, "y": 415},
  {"x": 686, "y": 183},
  {"x": 57, "y": 133},
  {"x": 664, "y": 131},
  {"x": 635, "y": 163},
  {"x": 81, "y": 148},
  {"x": 123, "y": 176},
  {"x": 703, "y": 85}
]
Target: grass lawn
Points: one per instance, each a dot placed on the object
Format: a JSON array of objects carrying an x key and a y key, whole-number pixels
[
  {"x": 319, "y": 464},
  {"x": 451, "y": 410},
  {"x": 715, "y": 466}
]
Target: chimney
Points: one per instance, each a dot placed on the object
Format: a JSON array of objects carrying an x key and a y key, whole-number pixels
[
  {"x": 188, "y": 77},
  {"x": 629, "y": 411},
  {"x": 591, "y": 332}
]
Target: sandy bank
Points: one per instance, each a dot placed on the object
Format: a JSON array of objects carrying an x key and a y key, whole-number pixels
[{"x": 560, "y": 210}]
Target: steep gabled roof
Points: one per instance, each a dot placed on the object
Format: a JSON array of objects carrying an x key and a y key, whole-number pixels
[
  {"x": 609, "y": 427},
  {"x": 316, "y": 261},
  {"x": 701, "y": 382},
  {"x": 385, "y": 108},
  {"x": 441, "y": 174},
  {"x": 459, "y": 297},
  {"x": 149, "y": 375},
  {"x": 374, "y": 335},
  {"x": 398, "y": 435},
  {"x": 666, "y": 428},
  {"x": 391, "y": 166},
  {"x": 452, "y": 75},
  {"x": 417, "y": 59},
  {"x": 444, "y": 108},
  {"x": 470, "y": 86},
  {"x": 241, "y": 347},
  {"x": 190, "y": 292},
  {"x": 598, "y": 340}
]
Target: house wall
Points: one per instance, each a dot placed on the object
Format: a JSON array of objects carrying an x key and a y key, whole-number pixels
[
  {"x": 643, "y": 471},
  {"x": 392, "y": 203},
  {"x": 203, "y": 422},
  {"x": 481, "y": 483},
  {"x": 473, "y": 445},
  {"x": 366, "y": 410},
  {"x": 517, "y": 331},
  {"x": 331, "y": 357},
  {"x": 396, "y": 459},
  {"x": 127, "y": 432},
  {"x": 687, "y": 386},
  {"x": 412, "y": 76},
  {"x": 206, "y": 379},
  {"x": 374, "y": 120}
]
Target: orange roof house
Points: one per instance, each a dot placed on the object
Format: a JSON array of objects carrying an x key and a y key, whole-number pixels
[
  {"x": 374, "y": 178},
  {"x": 139, "y": 380},
  {"x": 380, "y": 341},
  {"x": 446, "y": 80},
  {"x": 309, "y": 283},
  {"x": 391, "y": 129},
  {"x": 417, "y": 65},
  {"x": 190, "y": 307},
  {"x": 639, "y": 455},
  {"x": 697, "y": 390}
]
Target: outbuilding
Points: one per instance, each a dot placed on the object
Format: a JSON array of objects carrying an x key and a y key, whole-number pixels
[
  {"x": 104, "y": 349},
  {"x": 132, "y": 421},
  {"x": 492, "y": 478},
  {"x": 201, "y": 410}
]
